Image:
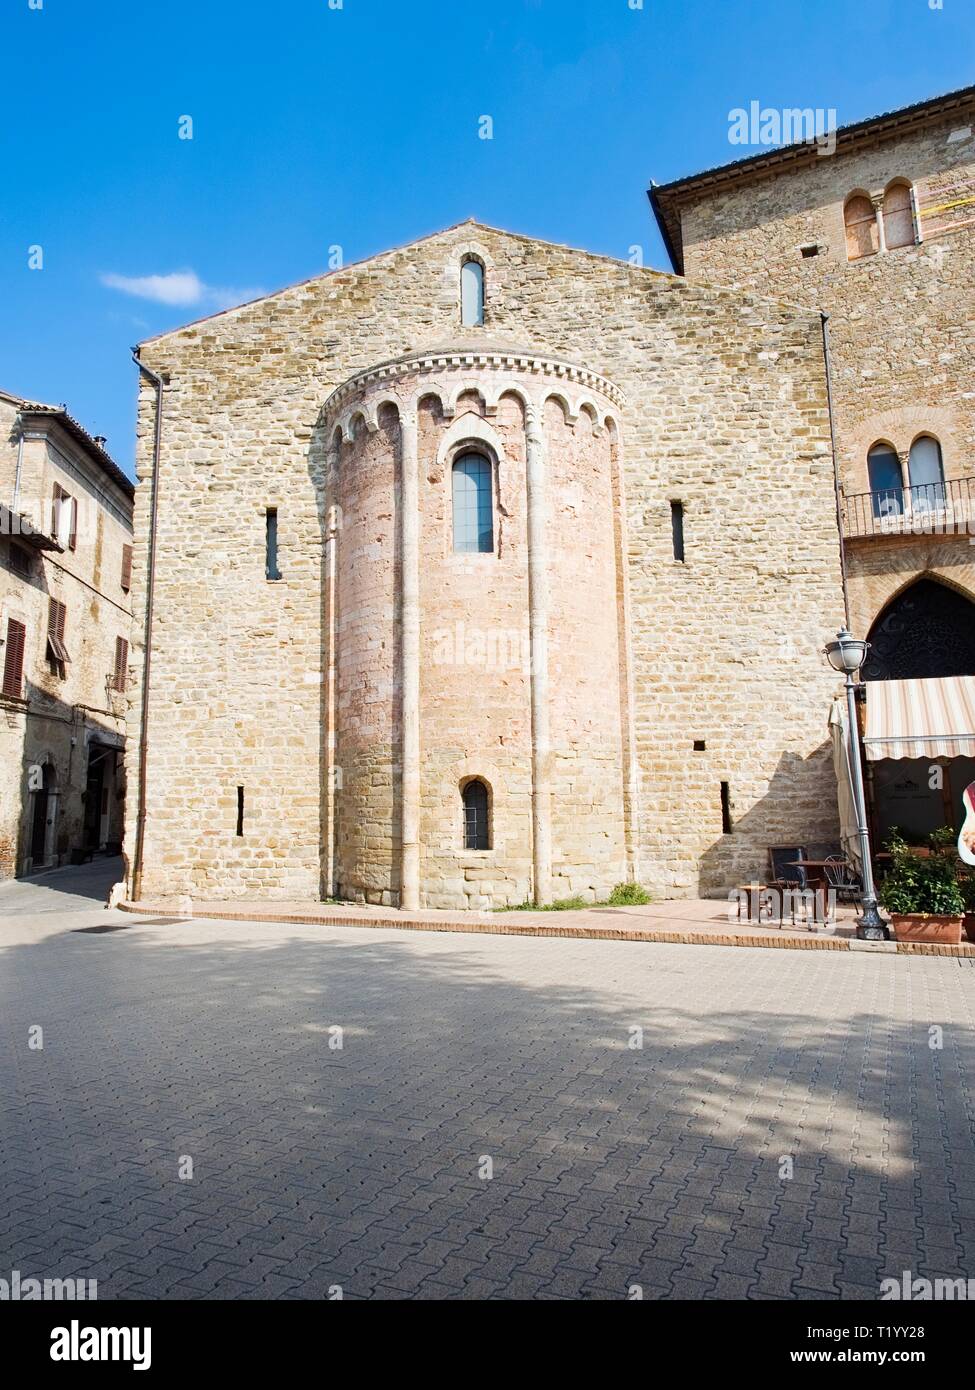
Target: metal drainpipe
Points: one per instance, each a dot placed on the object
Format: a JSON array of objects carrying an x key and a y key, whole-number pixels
[
  {"x": 20, "y": 464},
  {"x": 836, "y": 468},
  {"x": 140, "y": 826}
]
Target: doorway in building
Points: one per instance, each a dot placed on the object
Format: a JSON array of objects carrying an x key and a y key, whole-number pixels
[
  {"x": 42, "y": 818},
  {"x": 94, "y": 796},
  {"x": 926, "y": 633}
]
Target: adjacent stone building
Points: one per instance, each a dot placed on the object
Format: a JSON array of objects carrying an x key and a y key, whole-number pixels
[
  {"x": 879, "y": 236},
  {"x": 482, "y": 570},
  {"x": 65, "y": 574}
]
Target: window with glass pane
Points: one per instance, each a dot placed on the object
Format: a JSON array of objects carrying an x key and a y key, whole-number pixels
[
  {"x": 472, "y": 294},
  {"x": 927, "y": 475},
  {"x": 477, "y": 833},
  {"x": 886, "y": 484},
  {"x": 473, "y": 505}
]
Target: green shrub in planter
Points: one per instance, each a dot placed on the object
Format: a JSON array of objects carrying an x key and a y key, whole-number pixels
[{"x": 923, "y": 884}]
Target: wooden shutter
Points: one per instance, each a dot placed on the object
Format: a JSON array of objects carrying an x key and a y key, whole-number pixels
[
  {"x": 862, "y": 234},
  {"x": 121, "y": 662},
  {"x": 56, "y": 511},
  {"x": 55, "y": 618},
  {"x": 13, "y": 664},
  {"x": 898, "y": 217},
  {"x": 126, "y": 567},
  {"x": 57, "y": 654},
  {"x": 73, "y": 533}
]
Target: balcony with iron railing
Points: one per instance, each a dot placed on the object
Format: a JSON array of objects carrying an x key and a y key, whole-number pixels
[{"x": 928, "y": 509}]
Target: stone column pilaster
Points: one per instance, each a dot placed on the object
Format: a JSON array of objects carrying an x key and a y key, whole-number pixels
[
  {"x": 410, "y": 673},
  {"x": 333, "y": 519},
  {"x": 538, "y": 619}
]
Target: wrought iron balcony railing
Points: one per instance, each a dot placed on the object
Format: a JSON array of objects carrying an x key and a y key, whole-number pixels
[{"x": 930, "y": 509}]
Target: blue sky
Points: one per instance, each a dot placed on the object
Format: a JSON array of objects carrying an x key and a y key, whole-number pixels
[{"x": 358, "y": 127}]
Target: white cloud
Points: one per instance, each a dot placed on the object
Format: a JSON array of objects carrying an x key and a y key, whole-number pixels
[{"x": 181, "y": 288}]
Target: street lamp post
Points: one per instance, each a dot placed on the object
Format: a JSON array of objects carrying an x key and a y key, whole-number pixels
[{"x": 846, "y": 655}]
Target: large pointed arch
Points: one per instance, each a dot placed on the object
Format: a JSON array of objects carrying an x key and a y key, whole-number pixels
[{"x": 925, "y": 631}]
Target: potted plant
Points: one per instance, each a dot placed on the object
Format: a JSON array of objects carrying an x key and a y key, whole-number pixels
[
  {"x": 968, "y": 893},
  {"x": 922, "y": 892}
]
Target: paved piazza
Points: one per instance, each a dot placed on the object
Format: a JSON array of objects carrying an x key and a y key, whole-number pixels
[{"x": 315, "y": 1166}]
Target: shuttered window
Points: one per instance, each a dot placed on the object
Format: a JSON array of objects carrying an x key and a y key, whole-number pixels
[
  {"x": 862, "y": 235},
  {"x": 13, "y": 659},
  {"x": 121, "y": 663},
  {"x": 898, "y": 217},
  {"x": 126, "y": 567},
  {"x": 56, "y": 652}
]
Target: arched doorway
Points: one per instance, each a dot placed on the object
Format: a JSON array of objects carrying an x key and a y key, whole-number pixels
[
  {"x": 43, "y": 816},
  {"x": 927, "y": 631}
]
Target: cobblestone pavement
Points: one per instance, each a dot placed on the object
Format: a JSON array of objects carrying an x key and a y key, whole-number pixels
[{"x": 666, "y": 1165}]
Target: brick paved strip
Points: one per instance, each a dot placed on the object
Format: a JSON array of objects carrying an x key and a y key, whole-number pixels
[{"x": 705, "y": 935}]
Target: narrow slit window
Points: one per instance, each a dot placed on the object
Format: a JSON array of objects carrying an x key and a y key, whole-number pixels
[
  {"x": 271, "y": 547},
  {"x": 726, "y": 826},
  {"x": 477, "y": 830},
  {"x": 240, "y": 810},
  {"x": 472, "y": 294},
  {"x": 677, "y": 528}
]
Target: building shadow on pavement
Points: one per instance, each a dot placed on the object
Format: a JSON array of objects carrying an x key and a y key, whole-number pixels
[{"x": 783, "y": 1130}]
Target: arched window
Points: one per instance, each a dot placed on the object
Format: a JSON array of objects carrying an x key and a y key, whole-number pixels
[
  {"x": 898, "y": 217},
  {"x": 472, "y": 293},
  {"x": 927, "y": 475},
  {"x": 477, "y": 828},
  {"x": 862, "y": 236},
  {"x": 473, "y": 504},
  {"x": 886, "y": 483},
  {"x": 927, "y": 631}
]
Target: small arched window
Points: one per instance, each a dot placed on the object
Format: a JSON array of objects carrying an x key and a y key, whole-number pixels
[
  {"x": 473, "y": 504},
  {"x": 927, "y": 475},
  {"x": 898, "y": 217},
  {"x": 862, "y": 236},
  {"x": 472, "y": 293},
  {"x": 477, "y": 827},
  {"x": 886, "y": 482}
]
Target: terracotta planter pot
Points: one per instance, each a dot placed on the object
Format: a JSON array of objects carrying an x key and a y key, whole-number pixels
[
  {"x": 968, "y": 923},
  {"x": 923, "y": 926}
]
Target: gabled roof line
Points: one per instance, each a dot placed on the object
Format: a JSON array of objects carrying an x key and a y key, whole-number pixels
[{"x": 395, "y": 251}]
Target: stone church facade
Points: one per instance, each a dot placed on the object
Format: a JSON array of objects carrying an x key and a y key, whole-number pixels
[
  {"x": 489, "y": 569},
  {"x": 455, "y": 605}
]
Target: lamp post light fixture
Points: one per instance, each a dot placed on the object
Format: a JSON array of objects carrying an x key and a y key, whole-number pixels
[{"x": 846, "y": 655}]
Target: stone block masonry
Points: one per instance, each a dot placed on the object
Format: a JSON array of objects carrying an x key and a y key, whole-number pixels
[{"x": 640, "y": 390}]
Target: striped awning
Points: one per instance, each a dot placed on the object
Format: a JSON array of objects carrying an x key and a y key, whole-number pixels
[{"x": 921, "y": 719}]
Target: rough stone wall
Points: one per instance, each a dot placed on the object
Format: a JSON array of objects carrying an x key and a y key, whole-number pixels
[
  {"x": 57, "y": 717},
  {"x": 589, "y": 855},
  {"x": 368, "y": 702},
  {"x": 902, "y": 327},
  {"x": 726, "y": 409}
]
